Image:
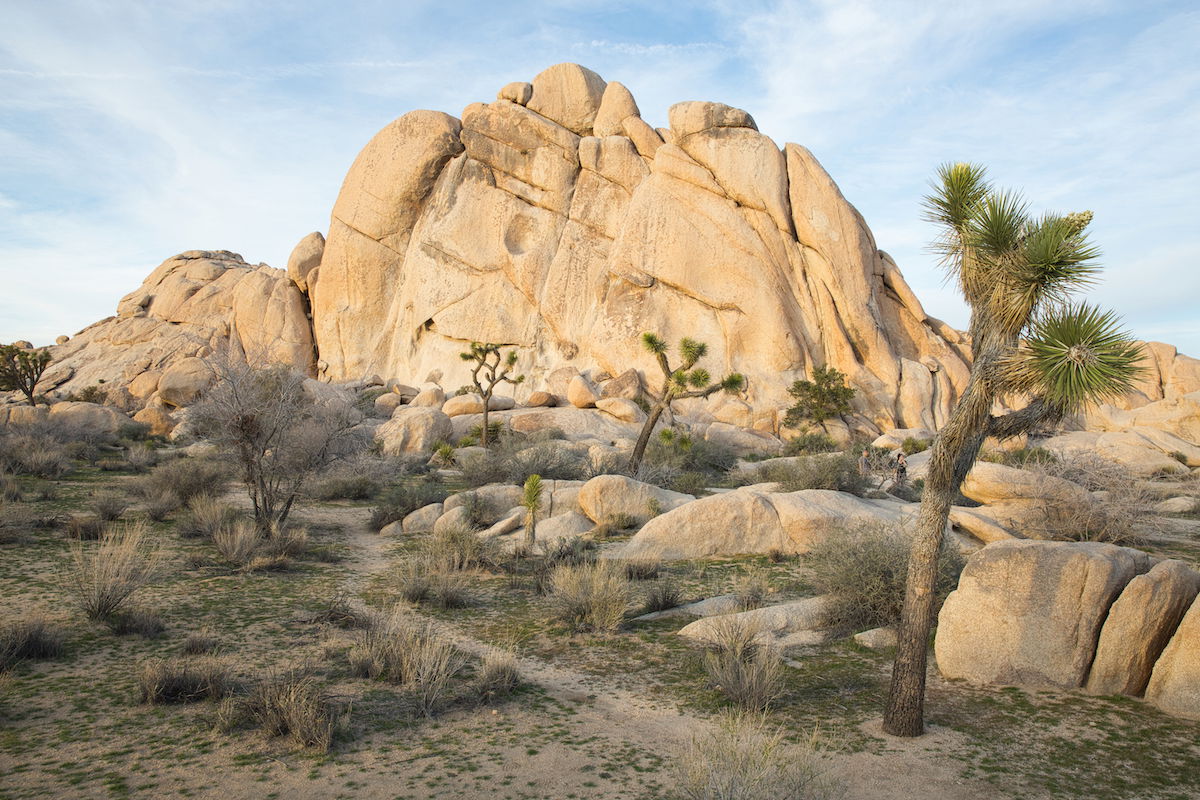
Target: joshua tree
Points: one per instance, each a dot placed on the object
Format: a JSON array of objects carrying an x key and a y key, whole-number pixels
[
  {"x": 20, "y": 370},
  {"x": 490, "y": 370},
  {"x": 1029, "y": 340},
  {"x": 824, "y": 397},
  {"x": 687, "y": 380},
  {"x": 278, "y": 433},
  {"x": 532, "y": 500}
]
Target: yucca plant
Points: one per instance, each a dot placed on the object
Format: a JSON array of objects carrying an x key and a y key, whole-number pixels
[
  {"x": 1017, "y": 273},
  {"x": 686, "y": 380},
  {"x": 532, "y": 500}
]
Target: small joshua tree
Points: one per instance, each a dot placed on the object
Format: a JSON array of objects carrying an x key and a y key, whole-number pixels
[
  {"x": 532, "y": 500},
  {"x": 20, "y": 370},
  {"x": 687, "y": 380},
  {"x": 490, "y": 370},
  {"x": 824, "y": 397}
]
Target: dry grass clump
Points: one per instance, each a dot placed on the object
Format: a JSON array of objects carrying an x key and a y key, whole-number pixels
[
  {"x": 10, "y": 490},
  {"x": 344, "y": 614},
  {"x": 103, "y": 577},
  {"x": 136, "y": 621},
  {"x": 746, "y": 671},
  {"x": 160, "y": 506},
  {"x": 743, "y": 758},
  {"x": 198, "y": 643},
  {"x": 662, "y": 595},
  {"x": 109, "y": 506},
  {"x": 400, "y": 501},
  {"x": 497, "y": 675},
  {"x": 645, "y": 568},
  {"x": 864, "y": 571},
  {"x": 286, "y": 542},
  {"x": 237, "y": 543},
  {"x": 1122, "y": 511},
  {"x": 183, "y": 680},
  {"x": 344, "y": 487},
  {"x": 424, "y": 580},
  {"x": 185, "y": 478},
  {"x": 86, "y": 529},
  {"x": 458, "y": 547},
  {"x": 205, "y": 516},
  {"x": 411, "y": 652},
  {"x": 590, "y": 597},
  {"x": 751, "y": 589},
  {"x": 34, "y": 454},
  {"x": 289, "y": 703},
  {"x": 18, "y": 520},
  {"x": 33, "y": 636}
]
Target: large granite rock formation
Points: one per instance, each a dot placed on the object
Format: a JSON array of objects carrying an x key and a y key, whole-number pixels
[
  {"x": 557, "y": 220},
  {"x": 191, "y": 305}
]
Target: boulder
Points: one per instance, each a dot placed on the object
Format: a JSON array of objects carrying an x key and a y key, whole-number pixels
[
  {"x": 741, "y": 441},
  {"x": 878, "y": 638},
  {"x": 568, "y": 94},
  {"x": 517, "y": 92},
  {"x": 423, "y": 519},
  {"x": 751, "y": 520},
  {"x": 606, "y": 496},
  {"x": 1139, "y": 626},
  {"x": 893, "y": 440},
  {"x": 576, "y": 423},
  {"x": 627, "y": 385},
  {"x": 563, "y": 526},
  {"x": 386, "y": 404},
  {"x": 696, "y": 116},
  {"x": 616, "y": 105},
  {"x": 622, "y": 409},
  {"x": 708, "y": 607},
  {"x": 23, "y": 415},
  {"x": 774, "y": 624},
  {"x": 462, "y": 404},
  {"x": 1029, "y": 613},
  {"x": 158, "y": 418},
  {"x": 541, "y": 400},
  {"x": 1177, "y": 505},
  {"x": 305, "y": 257},
  {"x": 452, "y": 519},
  {"x": 491, "y": 502},
  {"x": 88, "y": 417},
  {"x": 184, "y": 381},
  {"x": 392, "y": 529},
  {"x": 414, "y": 430},
  {"x": 1175, "y": 683},
  {"x": 510, "y": 521},
  {"x": 582, "y": 393},
  {"x": 429, "y": 397}
]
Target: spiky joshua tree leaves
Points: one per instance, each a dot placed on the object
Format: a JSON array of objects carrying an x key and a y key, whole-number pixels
[
  {"x": 490, "y": 370},
  {"x": 531, "y": 499},
  {"x": 686, "y": 380},
  {"x": 1017, "y": 273},
  {"x": 20, "y": 370}
]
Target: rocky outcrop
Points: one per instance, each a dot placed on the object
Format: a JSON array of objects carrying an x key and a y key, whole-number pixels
[
  {"x": 555, "y": 220},
  {"x": 1029, "y": 613},
  {"x": 1175, "y": 684},
  {"x": 193, "y": 304}
]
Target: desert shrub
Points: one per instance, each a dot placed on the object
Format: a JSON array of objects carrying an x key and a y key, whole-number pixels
[
  {"x": 10, "y": 489},
  {"x": 681, "y": 453},
  {"x": 497, "y": 675},
  {"x": 642, "y": 569},
  {"x": 112, "y": 465},
  {"x": 159, "y": 507},
  {"x": 747, "y": 672},
  {"x": 864, "y": 570},
  {"x": 512, "y": 459},
  {"x": 1178, "y": 456},
  {"x": 411, "y": 652},
  {"x": 751, "y": 589},
  {"x": 569, "y": 550},
  {"x": 205, "y": 516},
  {"x": 345, "y": 487},
  {"x": 46, "y": 491},
  {"x": 183, "y": 680},
  {"x": 458, "y": 547},
  {"x": 912, "y": 445},
  {"x": 109, "y": 506},
  {"x": 744, "y": 759},
  {"x": 238, "y": 542},
  {"x": 185, "y": 478},
  {"x": 292, "y": 704},
  {"x": 693, "y": 483},
  {"x": 837, "y": 472},
  {"x": 136, "y": 622},
  {"x": 1122, "y": 507},
  {"x": 343, "y": 613},
  {"x": 590, "y": 597},
  {"x": 37, "y": 455},
  {"x": 103, "y": 577},
  {"x": 86, "y": 529},
  {"x": 423, "y": 580},
  {"x": 198, "y": 643},
  {"x": 287, "y": 541},
  {"x": 1019, "y": 457},
  {"x": 140, "y": 457},
  {"x": 16, "y": 521},
  {"x": 662, "y": 595},
  {"x": 809, "y": 443},
  {"x": 29, "y": 637},
  {"x": 403, "y": 499}
]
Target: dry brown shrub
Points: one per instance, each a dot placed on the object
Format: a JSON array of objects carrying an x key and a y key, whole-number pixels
[
  {"x": 590, "y": 596},
  {"x": 745, "y": 670},
  {"x": 183, "y": 680},
  {"x": 103, "y": 577}
]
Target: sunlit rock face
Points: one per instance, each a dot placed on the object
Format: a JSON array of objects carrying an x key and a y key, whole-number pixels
[{"x": 555, "y": 219}]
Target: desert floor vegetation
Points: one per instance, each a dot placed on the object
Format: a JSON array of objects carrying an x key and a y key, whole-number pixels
[{"x": 334, "y": 678}]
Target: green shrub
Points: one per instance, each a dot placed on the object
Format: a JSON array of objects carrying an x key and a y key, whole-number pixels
[
  {"x": 911, "y": 445},
  {"x": 662, "y": 595},
  {"x": 344, "y": 487},
  {"x": 809, "y": 443},
  {"x": 824, "y": 397},
  {"x": 864, "y": 571}
]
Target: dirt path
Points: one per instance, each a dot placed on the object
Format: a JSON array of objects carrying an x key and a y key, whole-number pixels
[{"x": 908, "y": 769}]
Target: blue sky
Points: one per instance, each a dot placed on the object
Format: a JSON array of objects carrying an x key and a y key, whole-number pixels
[{"x": 130, "y": 131}]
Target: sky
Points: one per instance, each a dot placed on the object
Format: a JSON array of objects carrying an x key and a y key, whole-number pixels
[{"x": 131, "y": 131}]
